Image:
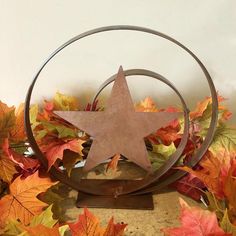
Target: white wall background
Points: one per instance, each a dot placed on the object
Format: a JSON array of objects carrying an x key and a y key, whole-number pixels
[{"x": 31, "y": 30}]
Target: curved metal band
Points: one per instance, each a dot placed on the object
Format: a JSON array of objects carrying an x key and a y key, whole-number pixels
[{"x": 60, "y": 176}]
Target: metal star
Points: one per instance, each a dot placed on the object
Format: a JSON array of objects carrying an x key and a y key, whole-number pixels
[{"x": 118, "y": 129}]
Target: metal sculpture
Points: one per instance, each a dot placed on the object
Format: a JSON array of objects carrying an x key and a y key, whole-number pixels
[{"x": 125, "y": 193}]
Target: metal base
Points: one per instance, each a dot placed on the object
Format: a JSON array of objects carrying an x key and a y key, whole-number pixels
[{"x": 139, "y": 202}]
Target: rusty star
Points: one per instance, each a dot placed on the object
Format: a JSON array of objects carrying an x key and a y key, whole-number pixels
[{"x": 118, "y": 129}]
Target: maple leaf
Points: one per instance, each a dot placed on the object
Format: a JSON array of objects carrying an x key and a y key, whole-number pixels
[
  {"x": 224, "y": 138},
  {"x": 88, "y": 225},
  {"x": 196, "y": 222},
  {"x": 216, "y": 205},
  {"x": 7, "y": 166},
  {"x": 113, "y": 163},
  {"x": 226, "y": 225},
  {"x": 34, "y": 111},
  {"x": 229, "y": 186},
  {"x": 160, "y": 154},
  {"x": 22, "y": 202},
  {"x": 55, "y": 150},
  {"x": 201, "y": 116},
  {"x": 114, "y": 229},
  {"x": 15, "y": 227},
  {"x": 70, "y": 159},
  {"x": 62, "y": 131},
  {"x": 205, "y": 105},
  {"x": 147, "y": 105},
  {"x": 17, "y": 133},
  {"x": 190, "y": 186},
  {"x": 212, "y": 173},
  {"x": 41, "y": 230},
  {"x": 7, "y": 121},
  {"x": 27, "y": 164},
  {"x": 65, "y": 103}
]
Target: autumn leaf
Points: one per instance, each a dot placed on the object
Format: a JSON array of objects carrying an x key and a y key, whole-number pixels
[
  {"x": 34, "y": 111},
  {"x": 229, "y": 186},
  {"x": 65, "y": 103},
  {"x": 160, "y": 154},
  {"x": 114, "y": 229},
  {"x": 7, "y": 166},
  {"x": 195, "y": 222},
  {"x": 216, "y": 205},
  {"x": 61, "y": 130},
  {"x": 201, "y": 116},
  {"x": 70, "y": 158},
  {"x": 226, "y": 225},
  {"x": 190, "y": 186},
  {"x": 45, "y": 218},
  {"x": 88, "y": 225},
  {"x": 147, "y": 105},
  {"x": 7, "y": 121},
  {"x": 112, "y": 165},
  {"x": 17, "y": 133},
  {"x": 41, "y": 230},
  {"x": 224, "y": 138},
  {"x": 26, "y": 163},
  {"x": 205, "y": 105},
  {"x": 55, "y": 150},
  {"x": 212, "y": 173},
  {"x": 22, "y": 202}
]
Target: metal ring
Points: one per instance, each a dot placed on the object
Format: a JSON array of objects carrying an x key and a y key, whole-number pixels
[
  {"x": 62, "y": 177},
  {"x": 128, "y": 188}
]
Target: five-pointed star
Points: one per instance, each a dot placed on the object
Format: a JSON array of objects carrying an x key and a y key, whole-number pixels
[{"x": 118, "y": 129}]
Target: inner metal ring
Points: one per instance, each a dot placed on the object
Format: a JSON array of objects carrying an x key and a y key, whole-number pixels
[
  {"x": 131, "y": 187},
  {"x": 64, "y": 178}
]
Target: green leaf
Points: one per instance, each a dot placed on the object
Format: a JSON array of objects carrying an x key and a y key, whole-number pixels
[
  {"x": 13, "y": 228},
  {"x": 164, "y": 150},
  {"x": 160, "y": 154},
  {"x": 33, "y": 116},
  {"x": 61, "y": 130},
  {"x": 225, "y": 138},
  {"x": 216, "y": 205},
  {"x": 157, "y": 160},
  {"x": 63, "y": 229},
  {"x": 45, "y": 218},
  {"x": 65, "y": 103},
  {"x": 226, "y": 225}
]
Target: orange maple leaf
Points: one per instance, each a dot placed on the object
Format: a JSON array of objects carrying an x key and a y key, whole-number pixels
[
  {"x": 17, "y": 133},
  {"x": 22, "y": 202},
  {"x": 196, "y": 222},
  {"x": 229, "y": 186},
  {"x": 213, "y": 172},
  {"x": 114, "y": 229},
  {"x": 113, "y": 163},
  {"x": 41, "y": 230},
  {"x": 56, "y": 148},
  {"x": 202, "y": 106},
  {"x": 147, "y": 105},
  {"x": 7, "y": 166},
  {"x": 7, "y": 120},
  {"x": 88, "y": 225}
]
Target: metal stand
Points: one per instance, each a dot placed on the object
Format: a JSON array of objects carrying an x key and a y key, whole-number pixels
[{"x": 139, "y": 202}]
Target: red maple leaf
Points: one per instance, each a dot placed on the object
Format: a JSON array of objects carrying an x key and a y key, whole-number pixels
[{"x": 196, "y": 222}]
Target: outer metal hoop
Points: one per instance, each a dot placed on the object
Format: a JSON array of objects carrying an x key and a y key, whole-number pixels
[{"x": 62, "y": 177}]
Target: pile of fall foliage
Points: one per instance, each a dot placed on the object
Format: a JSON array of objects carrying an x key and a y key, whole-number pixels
[{"x": 25, "y": 185}]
